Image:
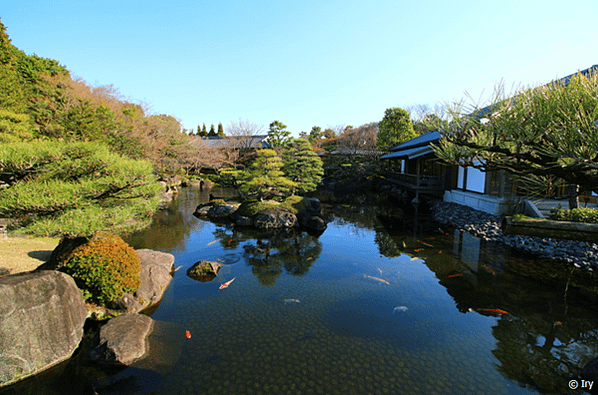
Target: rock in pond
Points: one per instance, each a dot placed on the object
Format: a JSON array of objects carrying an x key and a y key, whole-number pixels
[
  {"x": 123, "y": 340},
  {"x": 275, "y": 218},
  {"x": 204, "y": 271},
  {"x": 156, "y": 274},
  {"x": 41, "y": 322}
]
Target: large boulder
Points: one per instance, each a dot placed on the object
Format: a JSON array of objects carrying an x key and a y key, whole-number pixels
[
  {"x": 311, "y": 222},
  {"x": 123, "y": 340},
  {"x": 41, "y": 322},
  {"x": 275, "y": 218},
  {"x": 156, "y": 274}
]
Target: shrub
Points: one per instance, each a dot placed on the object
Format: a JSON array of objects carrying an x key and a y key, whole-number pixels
[
  {"x": 104, "y": 268},
  {"x": 581, "y": 214}
]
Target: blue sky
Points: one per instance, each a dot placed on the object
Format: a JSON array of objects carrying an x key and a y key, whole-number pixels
[{"x": 305, "y": 63}]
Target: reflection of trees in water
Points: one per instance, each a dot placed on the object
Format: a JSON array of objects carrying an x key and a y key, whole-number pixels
[
  {"x": 543, "y": 355},
  {"x": 275, "y": 250}
]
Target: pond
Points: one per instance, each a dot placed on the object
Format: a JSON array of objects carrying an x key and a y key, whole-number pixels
[{"x": 382, "y": 302}]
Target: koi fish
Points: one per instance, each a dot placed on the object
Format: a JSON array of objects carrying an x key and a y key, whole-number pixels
[
  {"x": 377, "y": 279},
  {"x": 495, "y": 311},
  {"x": 188, "y": 334},
  {"x": 418, "y": 249},
  {"x": 291, "y": 301},
  {"x": 380, "y": 270},
  {"x": 226, "y": 284},
  {"x": 426, "y": 244},
  {"x": 455, "y": 275},
  {"x": 414, "y": 258},
  {"x": 212, "y": 242},
  {"x": 400, "y": 308},
  {"x": 230, "y": 241},
  {"x": 178, "y": 268},
  {"x": 490, "y": 270},
  {"x": 310, "y": 258}
]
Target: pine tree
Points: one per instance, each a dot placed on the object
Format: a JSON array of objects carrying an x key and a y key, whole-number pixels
[
  {"x": 266, "y": 179},
  {"x": 302, "y": 166},
  {"x": 220, "y": 130},
  {"x": 212, "y": 132},
  {"x": 203, "y": 132}
]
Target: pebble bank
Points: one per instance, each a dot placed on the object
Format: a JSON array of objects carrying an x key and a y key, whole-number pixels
[{"x": 487, "y": 226}]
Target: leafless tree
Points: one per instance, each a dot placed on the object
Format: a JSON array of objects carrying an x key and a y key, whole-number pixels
[
  {"x": 359, "y": 141},
  {"x": 241, "y": 133}
]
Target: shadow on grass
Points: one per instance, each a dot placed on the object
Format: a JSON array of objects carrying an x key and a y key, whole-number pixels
[{"x": 42, "y": 255}]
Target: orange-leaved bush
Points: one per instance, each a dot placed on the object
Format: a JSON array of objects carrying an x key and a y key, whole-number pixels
[{"x": 104, "y": 268}]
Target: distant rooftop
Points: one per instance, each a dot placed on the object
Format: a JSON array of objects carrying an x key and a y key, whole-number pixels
[{"x": 257, "y": 141}]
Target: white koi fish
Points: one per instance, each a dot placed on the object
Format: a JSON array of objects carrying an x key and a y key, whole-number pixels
[
  {"x": 400, "y": 308},
  {"x": 291, "y": 301},
  {"x": 376, "y": 278}
]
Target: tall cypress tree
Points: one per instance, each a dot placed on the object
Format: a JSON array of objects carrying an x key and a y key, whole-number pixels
[
  {"x": 220, "y": 130},
  {"x": 212, "y": 131}
]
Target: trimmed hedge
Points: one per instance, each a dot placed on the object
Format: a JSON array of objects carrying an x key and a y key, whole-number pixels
[
  {"x": 104, "y": 268},
  {"x": 581, "y": 214}
]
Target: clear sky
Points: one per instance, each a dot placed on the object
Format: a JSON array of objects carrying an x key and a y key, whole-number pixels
[{"x": 305, "y": 63}]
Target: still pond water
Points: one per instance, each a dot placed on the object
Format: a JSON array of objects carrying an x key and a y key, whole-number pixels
[{"x": 310, "y": 315}]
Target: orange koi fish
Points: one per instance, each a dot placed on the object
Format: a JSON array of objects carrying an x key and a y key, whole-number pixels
[
  {"x": 418, "y": 249},
  {"x": 230, "y": 241},
  {"x": 377, "y": 279},
  {"x": 380, "y": 270},
  {"x": 400, "y": 308},
  {"x": 455, "y": 275},
  {"x": 226, "y": 284},
  {"x": 496, "y": 311},
  {"x": 426, "y": 244},
  {"x": 188, "y": 334},
  {"x": 490, "y": 270},
  {"x": 212, "y": 242},
  {"x": 291, "y": 301}
]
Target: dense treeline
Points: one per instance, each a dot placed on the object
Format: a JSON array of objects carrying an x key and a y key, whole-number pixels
[
  {"x": 74, "y": 158},
  {"x": 39, "y": 99}
]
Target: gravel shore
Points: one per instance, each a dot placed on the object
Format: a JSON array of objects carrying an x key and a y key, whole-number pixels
[{"x": 487, "y": 226}]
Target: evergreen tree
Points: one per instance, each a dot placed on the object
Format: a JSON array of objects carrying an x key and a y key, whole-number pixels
[
  {"x": 395, "y": 128},
  {"x": 266, "y": 178},
  {"x": 55, "y": 188},
  {"x": 204, "y": 132},
  {"x": 302, "y": 166},
  {"x": 212, "y": 132},
  {"x": 220, "y": 130},
  {"x": 278, "y": 135}
]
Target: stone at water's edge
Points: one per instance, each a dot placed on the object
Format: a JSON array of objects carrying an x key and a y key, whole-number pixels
[
  {"x": 41, "y": 322},
  {"x": 275, "y": 218},
  {"x": 123, "y": 340},
  {"x": 156, "y": 274}
]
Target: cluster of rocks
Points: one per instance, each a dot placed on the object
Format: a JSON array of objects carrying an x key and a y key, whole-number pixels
[
  {"x": 43, "y": 313},
  {"x": 488, "y": 227},
  {"x": 270, "y": 218}
]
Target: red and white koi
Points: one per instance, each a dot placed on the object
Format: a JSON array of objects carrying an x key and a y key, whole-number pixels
[
  {"x": 188, "y": 334},
  {"x": 291, "y": 301},
  {"x": 376, "y": 278},
  {"x": 226, "y": 284}
]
